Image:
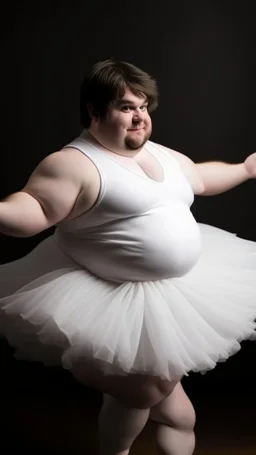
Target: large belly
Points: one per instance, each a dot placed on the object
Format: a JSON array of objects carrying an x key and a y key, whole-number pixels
[
  {"x": 162, "y": 243},
  {"x": 171, "y": 243}
]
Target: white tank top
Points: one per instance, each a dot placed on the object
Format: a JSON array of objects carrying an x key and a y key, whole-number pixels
[{"x": 139, "y": 229}]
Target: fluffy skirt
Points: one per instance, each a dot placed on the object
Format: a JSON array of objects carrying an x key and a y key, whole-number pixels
[{"x": 54, "y": 312}]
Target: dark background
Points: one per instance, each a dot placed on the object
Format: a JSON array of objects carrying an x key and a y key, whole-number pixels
[{"x": 202, "y": 54}]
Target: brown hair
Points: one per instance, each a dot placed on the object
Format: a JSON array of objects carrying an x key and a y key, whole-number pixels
[{"x": 107, "y": 81}]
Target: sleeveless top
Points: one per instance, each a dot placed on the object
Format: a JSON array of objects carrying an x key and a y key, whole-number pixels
[{"x": 139, "y": 229}]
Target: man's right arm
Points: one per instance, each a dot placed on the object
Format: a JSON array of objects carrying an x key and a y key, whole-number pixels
[{"x": 48, "y": 197}]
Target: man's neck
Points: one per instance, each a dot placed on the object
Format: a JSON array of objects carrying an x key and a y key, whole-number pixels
[{"x": 126, "y": 153}]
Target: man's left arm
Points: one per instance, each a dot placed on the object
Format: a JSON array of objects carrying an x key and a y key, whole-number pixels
[
  {"x": 214, "y": 177},
  {"x": 219, "y": 177}
]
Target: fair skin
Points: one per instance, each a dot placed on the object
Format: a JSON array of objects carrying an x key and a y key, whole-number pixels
[
  {"x": 127, "y": 126},
  {"x": 65, "y": 185}
]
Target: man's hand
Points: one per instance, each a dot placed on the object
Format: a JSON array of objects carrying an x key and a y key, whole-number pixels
[{"x": 250, "y": 165}]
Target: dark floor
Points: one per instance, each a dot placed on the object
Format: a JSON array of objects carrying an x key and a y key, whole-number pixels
[{"x": 44, "y": 411}]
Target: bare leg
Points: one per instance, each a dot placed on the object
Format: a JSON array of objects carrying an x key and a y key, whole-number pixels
[
  {"x": 126, "y": 407},
  {"x": 176, "y": 420},
  {"x": 119, "y": 426}
]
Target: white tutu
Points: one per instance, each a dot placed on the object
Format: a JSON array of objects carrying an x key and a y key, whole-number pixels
[{"x": 54, "y": 312}]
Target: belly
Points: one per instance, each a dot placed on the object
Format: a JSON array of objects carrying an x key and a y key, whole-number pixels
[
  {"x": 172, "y": 244},
  {"x": 162, "y": 243}
]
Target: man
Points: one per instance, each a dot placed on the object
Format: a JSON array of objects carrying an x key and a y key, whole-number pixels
[{"x": 107, "y": 290}]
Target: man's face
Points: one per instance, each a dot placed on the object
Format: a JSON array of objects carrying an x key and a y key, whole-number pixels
[{"x": 127, "y": 124}]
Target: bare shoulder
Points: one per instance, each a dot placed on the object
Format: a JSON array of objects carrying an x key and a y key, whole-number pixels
[
  {"x": 66, "y": 183},
  {"x": 67, "y": 162},
  {"x": 189, "y": 169}
]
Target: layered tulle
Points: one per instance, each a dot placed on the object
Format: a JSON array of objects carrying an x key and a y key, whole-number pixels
[{"x": 54, "y": 312}]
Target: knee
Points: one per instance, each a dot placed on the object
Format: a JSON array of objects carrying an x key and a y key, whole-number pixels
[
  {"x": 185, "y": 418},
  {"x": 179, "y": 414}
]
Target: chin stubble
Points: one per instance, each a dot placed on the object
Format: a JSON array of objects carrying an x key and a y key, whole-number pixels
[{"x": 132, "y": 144}]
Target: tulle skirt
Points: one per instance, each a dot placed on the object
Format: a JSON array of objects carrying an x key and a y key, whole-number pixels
[{"x": 55, "y": 312}]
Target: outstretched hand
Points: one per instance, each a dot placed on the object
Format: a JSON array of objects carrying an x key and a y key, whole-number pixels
[{"x": 250, "y": 165}]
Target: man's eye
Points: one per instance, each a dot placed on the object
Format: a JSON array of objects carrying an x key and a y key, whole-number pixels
[{"x": 130, "y": 108}]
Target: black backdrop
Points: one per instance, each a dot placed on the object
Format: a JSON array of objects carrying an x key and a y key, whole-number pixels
[{"x": 200, "y": 52}]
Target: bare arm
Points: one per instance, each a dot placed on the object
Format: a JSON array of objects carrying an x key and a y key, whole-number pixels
[
  {"x": 219, "y": 177},
  {"x": 48, "y": 197},
  {"x": 215, "y": 177}
]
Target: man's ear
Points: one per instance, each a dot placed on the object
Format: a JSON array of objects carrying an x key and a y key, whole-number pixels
[{"x": 92, "y": 111}]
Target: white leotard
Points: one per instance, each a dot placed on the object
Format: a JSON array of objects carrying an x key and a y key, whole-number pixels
[
  {"x": 107, "y": 289},
  {"x": 139, "y": 229}
]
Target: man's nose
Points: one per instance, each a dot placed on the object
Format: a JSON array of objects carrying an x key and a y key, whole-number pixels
[{"x": 137, "y": 116}]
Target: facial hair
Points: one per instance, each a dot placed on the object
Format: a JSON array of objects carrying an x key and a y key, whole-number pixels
[{"x": 132, "y": 143}]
